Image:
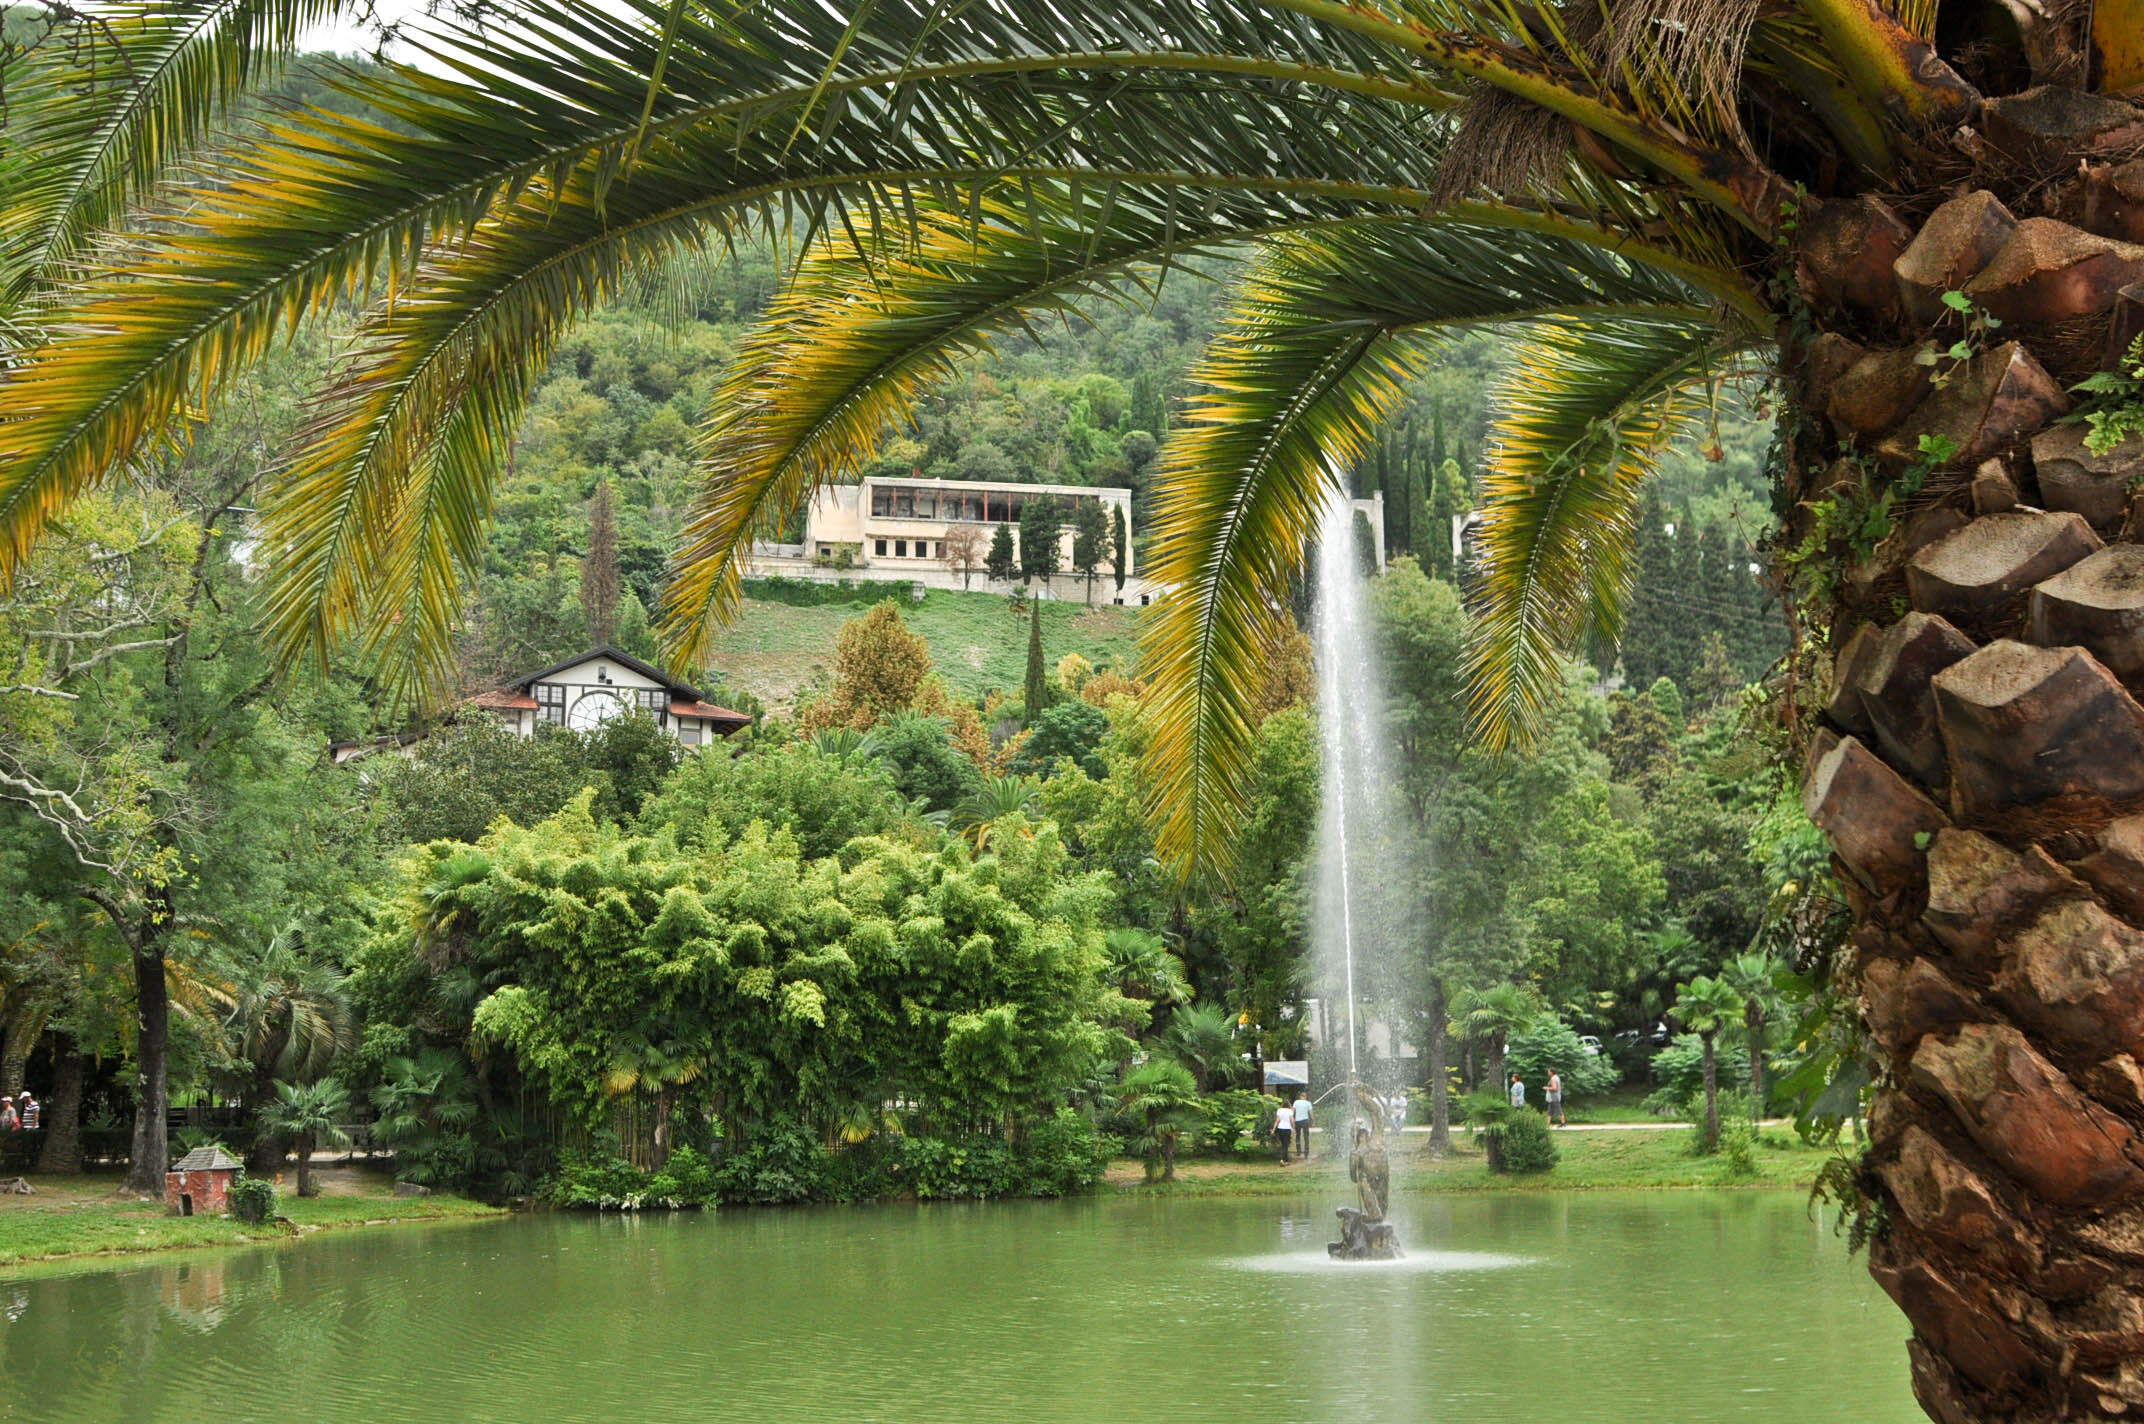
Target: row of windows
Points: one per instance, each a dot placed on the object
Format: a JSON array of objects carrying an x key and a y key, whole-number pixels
[
  {"x": 988, "y": 507},
  {"x": 551, "y": 701},
  {"x": 901, "y": 548}
]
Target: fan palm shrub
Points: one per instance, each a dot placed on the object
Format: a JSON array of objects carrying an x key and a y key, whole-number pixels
[
  {"x": 311, "y": 1116},
  {"x": 1162, "y": 1094},
  {"x": 1708, "y": 1006},
  {"x": 1916, "y": 214}
]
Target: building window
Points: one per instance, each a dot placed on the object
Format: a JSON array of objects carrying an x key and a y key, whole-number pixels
[
  {"x": 900, "y": 548},
  {"x": 923, "y": 549},
  {"x": 926, "y": 504},
  {"x": 881, "y": 504},
  {"x": 551, "y": 702},
  {"x": 904, "y": 504},
  {"x": 689, "y": 733},
  {"x": 878, "y": 547},
  {"x": 826, "y": 551}
]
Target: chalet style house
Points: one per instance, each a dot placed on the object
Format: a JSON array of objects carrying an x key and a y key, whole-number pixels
[{"x": 590, "y": 688}]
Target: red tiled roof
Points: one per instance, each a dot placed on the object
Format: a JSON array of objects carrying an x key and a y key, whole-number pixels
[
  {"x": 708, "y": 711},
  {"x": 504, "y": 699}
]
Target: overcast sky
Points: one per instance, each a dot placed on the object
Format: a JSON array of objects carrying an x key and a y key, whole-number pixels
[{"x": 345, "y": 37}]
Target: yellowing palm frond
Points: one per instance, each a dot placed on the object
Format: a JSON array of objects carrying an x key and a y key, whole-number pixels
[{"x": 1581, "y": 421}]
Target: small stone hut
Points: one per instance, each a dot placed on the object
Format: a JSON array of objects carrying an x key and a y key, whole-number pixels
[{"x": 200, "y": 1182}]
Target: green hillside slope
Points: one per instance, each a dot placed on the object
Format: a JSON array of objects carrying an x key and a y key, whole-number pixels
[{"x": 774, "y": 650}]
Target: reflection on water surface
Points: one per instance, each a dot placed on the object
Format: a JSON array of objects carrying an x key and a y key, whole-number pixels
[{"x": 1510, "y": 1309}]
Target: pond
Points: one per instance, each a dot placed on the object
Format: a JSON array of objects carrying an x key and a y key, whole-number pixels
[{"x": 1687, "y": 1306}]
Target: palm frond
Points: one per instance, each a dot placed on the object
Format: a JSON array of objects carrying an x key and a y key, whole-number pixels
[
  {"x": 1581, "y": 420},
  {"x": 99, "y": 113},
  {"x": 1327, "y": 328}
]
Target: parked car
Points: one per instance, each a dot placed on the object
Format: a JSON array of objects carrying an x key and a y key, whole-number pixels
[{"x": 1591, "y": 1044}]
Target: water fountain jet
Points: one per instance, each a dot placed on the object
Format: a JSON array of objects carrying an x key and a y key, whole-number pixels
[{"x": 1353, "y": 791}]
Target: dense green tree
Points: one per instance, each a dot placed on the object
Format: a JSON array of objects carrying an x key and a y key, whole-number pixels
[
  {"x": 1068, "y": 730},
  {"x": 822, "y": 800},
  {"x": 927, "y": 767},
  {"x": 1001, "y": 563},
  {"x": 1119, "y": 546},
  {"x": 1090, "y": 542},
  {"x": 1041, "y": 527}
]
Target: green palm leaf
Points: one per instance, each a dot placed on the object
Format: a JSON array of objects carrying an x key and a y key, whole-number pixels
[
  {"x": 1327, "y": 328},
  {"x": 1580, "y": 423},
  {"x": 94, "y": 125}
]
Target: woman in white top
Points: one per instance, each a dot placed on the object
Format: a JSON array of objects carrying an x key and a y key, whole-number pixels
[{"x": 1284, "y": 1128}]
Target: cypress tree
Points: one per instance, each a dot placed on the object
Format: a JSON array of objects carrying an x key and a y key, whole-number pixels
[
  {"x": 1041, "y": 522},
  {"x": 1650, "y": 626},
  {"x": 599, "y": 569},
  {"x": 1038, "y": 683},
  {"x": 1432, "y": 537},
  {"x": 1399, "y": 527},
  {"x": 1090, "y": 541},
  {"x": 1120, "y": 548},
  {"x": 999, "y": 563}
]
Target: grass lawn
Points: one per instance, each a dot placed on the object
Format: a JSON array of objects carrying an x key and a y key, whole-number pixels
[
  {"x": 86, "y": 1216},
  {"x": 773, "y": 650},
  {"x": 1621, "y": 1104},
  {"x": 1587, "y": 1161}
]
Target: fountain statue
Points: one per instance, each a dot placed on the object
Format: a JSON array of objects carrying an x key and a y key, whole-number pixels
[{"x": 1365, "y": 1235}]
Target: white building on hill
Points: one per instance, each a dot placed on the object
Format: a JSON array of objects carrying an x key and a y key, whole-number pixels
[{"x": 908, "y": 530}]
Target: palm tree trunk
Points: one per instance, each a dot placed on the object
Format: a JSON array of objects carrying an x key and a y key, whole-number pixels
[
  {"x": 1978, "y": 763},
  {"x": 62, "y": 1115},
  {"x": 1712, "y": 1092},
  {"x": 1498, "y": 1072},
  {"x": 1755, "y": 1021},
  {"x": 304, "y": 1146}
]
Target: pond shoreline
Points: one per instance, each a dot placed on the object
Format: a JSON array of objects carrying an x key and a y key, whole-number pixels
[{"x": 85, "y": 1220}]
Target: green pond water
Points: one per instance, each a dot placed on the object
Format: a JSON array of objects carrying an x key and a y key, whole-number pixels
[{"x": 1671, "y": 1306}]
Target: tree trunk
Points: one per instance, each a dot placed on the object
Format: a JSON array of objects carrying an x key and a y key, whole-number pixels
[
  {"x": 62, "y": 1116},
  {"x": 1755, "y": 1020},
  {"x": 1440, "y": 1090},
  {"x": 1499, "y": 1071},
  {"x": 264, "y": 1153},
  {"x": 24, "y": 1026},
  {"x": 151, "y": 1150},
  {"x": 305, "y": 1164},
  {"x": 1712, "y": 1092},
  {"x": 1977, "y": 761}
]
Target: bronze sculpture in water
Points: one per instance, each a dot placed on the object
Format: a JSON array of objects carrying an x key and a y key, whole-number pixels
[{"x": 1365, "y": 1235}]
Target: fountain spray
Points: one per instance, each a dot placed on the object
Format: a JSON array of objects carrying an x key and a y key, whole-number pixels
[{"x": 1355, "y": 902}]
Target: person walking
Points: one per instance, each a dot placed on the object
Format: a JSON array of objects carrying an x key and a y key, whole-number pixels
[
  {"x": 8, "y": 1121},
  {"x": 1555, "y": 1098},
  {"x": 1518, "y": 1091},
  {"x": 28, "y": 1112},
  {"x": 1284, "y": 1129},
  {"x": 1301, "y": 1109}
]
